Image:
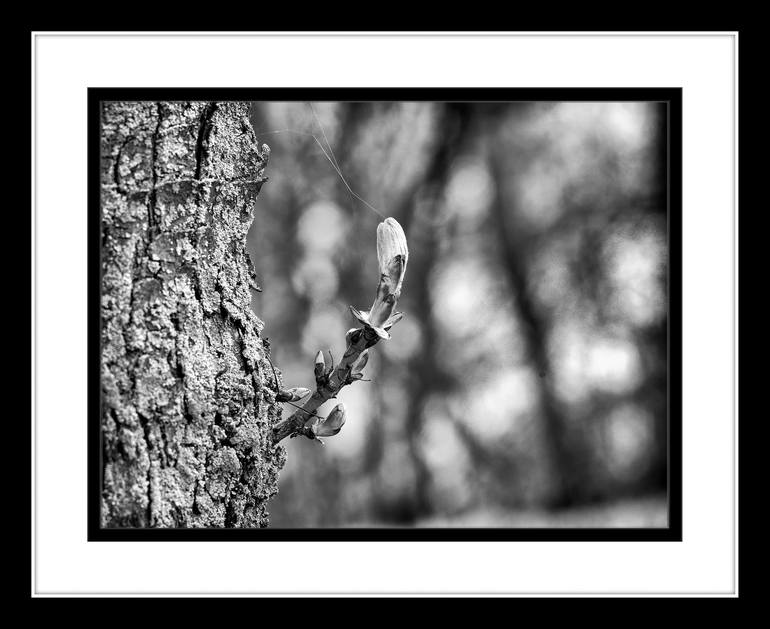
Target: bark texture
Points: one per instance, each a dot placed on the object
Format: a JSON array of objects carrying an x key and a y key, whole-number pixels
[{"x": 188, "y": 397}]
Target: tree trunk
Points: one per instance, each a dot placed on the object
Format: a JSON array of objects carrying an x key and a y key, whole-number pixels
[{"x": 188, "y": 394}]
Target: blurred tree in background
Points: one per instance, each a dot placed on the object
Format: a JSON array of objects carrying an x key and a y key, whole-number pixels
[{"x": 527, "y": 383}]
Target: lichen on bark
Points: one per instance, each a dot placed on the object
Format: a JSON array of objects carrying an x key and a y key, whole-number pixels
[{"x": 188, "y": 399}]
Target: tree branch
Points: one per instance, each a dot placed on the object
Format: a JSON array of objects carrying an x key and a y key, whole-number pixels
[{"x": 392, "y": 254}]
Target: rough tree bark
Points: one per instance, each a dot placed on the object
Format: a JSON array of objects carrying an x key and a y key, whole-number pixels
[{"x": 188, "y": 396}]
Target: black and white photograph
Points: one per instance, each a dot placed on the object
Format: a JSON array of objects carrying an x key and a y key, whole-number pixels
[{"x": 384, "y": 314}]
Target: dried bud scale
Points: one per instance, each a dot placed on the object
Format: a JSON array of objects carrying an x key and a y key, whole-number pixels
[
  {"x": 359, "y": 365},
  {"x": 332, "y": 424},
  {"x": 292, "y": 395},
  {"x": 320, "y": 364}
]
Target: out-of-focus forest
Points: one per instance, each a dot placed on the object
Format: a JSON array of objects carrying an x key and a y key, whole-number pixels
[{"x": 527, "y": 383}]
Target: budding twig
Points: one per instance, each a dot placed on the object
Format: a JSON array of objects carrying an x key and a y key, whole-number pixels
[{"x": 392, "y": 254}]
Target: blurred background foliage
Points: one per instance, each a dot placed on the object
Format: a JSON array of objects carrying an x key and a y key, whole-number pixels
[{"x": 527, "y": 383}]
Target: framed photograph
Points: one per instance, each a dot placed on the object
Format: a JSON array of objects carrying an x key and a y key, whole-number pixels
[
  {"x": 384, "y": 314},
  {"x": 517, "y": 375}
]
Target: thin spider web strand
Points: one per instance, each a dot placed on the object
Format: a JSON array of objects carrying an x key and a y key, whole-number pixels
[
  {"x": 334, "y": 166},
  {"x": 328, "y": 144}
]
